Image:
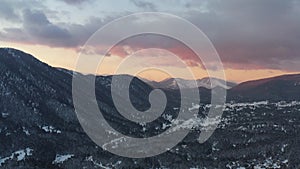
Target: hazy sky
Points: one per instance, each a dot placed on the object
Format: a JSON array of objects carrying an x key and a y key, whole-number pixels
[{"x": 253, "y": 38}]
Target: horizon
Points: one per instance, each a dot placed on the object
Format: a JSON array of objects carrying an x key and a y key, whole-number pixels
[
  {"x": 142, "y": 78},
  {"x": 264, "y": 76}
]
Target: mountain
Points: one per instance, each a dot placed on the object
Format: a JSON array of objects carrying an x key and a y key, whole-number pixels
[
  {"x": 285, "y": 87},
  {"x": 208, "y": 83},
  {"x": 39, "y": 128},
  {"x": 38, "y": 124}
]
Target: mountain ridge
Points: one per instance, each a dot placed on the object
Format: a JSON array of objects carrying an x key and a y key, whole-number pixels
[
  {"x": 168, "y": 81},
  {"x": 272, "y": 88},
  {"x": 284, "y": 87},
  {"x": 206, "y": 82}
]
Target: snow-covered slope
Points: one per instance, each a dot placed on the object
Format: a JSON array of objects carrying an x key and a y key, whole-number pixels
[{"x": 208, "y": 83}]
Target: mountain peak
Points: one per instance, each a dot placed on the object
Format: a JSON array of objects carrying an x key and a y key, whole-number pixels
[
  {"x": 16, "y": 59},
  {"x": 9, "y": 53},
  {"x": 12, "y": 51}
]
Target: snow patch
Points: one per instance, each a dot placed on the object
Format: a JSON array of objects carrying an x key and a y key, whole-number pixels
[
  {"x": 26, "y": 131},
  {"x": 20, "y": 155},
  {"x": 50, "y": 129},
  {"x": 4, "y": 115},
  {"x": 59, "y": 159},
  {"x": 194, "y": 107},
  {"x": 99, "y": 164}
]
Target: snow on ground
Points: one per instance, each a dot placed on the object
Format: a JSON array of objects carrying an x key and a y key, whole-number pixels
[
  {"x": 5, "y": 115},
  {"x": 194, "y": 107},
  {"x": 106, "y": 166},
  {"x": 59, "y": 159},
  {"x": 114, "y": 143},
  {"x": 26, "y": 131},
  {"x": 19, "y": 155},
  {"x": 50, "y": 129}
]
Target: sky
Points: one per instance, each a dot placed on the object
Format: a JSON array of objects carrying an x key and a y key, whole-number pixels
[{"x": 254, "y": 39}]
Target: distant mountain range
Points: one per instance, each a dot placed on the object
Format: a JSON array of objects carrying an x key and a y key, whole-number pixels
[
  {"x": 208, "y": 83},
  {"x": 285, "y": 87}
]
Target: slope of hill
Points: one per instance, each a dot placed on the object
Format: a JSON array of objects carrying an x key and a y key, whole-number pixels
[{"x": 286, "y": 87}]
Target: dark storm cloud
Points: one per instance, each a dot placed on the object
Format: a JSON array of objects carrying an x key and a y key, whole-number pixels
[{"x": 144, "y": 5}]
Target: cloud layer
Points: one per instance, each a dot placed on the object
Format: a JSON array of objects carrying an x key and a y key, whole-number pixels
[{"x": 247, "y": 34}]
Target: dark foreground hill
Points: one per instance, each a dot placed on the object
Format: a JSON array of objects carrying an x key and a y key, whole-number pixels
[{"x": 39, "y": 128}]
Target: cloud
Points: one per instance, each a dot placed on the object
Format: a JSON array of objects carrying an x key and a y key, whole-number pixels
[
  {"x": 148, "y": 6},
  {"x": 151, "y": 41},
  {"x": 74, "y": 2},
  {"x": 7, "y": 12},
  {"x": 247, "y": 34},
  {"x": 35, "y": 17},
  {"x": 38, "y": 29},
  {"x": 253, "y": 34},
  {"x": 37, "y": 26}
]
